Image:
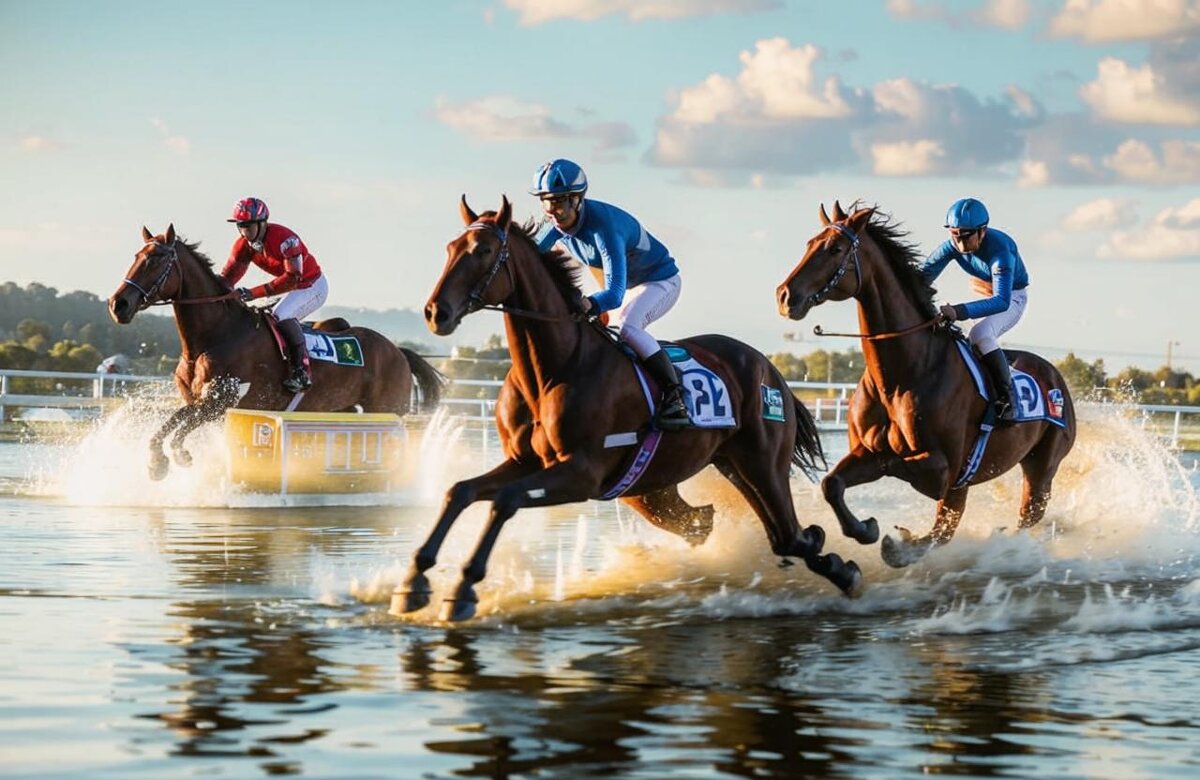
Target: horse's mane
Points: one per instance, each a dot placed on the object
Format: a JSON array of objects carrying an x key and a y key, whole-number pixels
[
  {"x": 905, "y": 257},
  {"x": 194, "y": 248}
]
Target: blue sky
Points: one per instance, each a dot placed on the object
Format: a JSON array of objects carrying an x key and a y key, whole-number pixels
[{"x": 721, "y": 124}]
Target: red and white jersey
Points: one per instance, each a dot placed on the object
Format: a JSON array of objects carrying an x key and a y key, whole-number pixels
[{"x": 282, "y": 254}]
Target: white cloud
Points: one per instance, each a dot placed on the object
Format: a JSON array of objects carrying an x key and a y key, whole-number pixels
[
  {"x": 1127, "y": 94},
  {"x": 534, "y": 12},
  {"x": 1100, "y": 214},
  {"x": 907, "y": 158},
  {"x": 779, "y": 115},
  {"x": 1006, "y": 14},
  {"x": 776, "y": 82},
  {"x": 1034, "y": 173},
  {"x": 498, "y": 118},
  {"x": 176, "y": 143},
  {"x": 1177, "y": 163},
  {"x": 37, "y": 143},
  {"x": 1173, "y": 233},
  {"x": 1099, "y": 21}
]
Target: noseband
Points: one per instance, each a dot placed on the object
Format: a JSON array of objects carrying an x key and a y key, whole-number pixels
[
  {"x": 475, "y": 298},
  {"x": 148, "y": 294},
  {"x": 822, "y": 293}
]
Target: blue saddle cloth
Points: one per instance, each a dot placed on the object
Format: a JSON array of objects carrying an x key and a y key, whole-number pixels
[{"x": 1032, "y": 403}]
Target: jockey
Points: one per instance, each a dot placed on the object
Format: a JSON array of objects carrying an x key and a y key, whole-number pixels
[
  {"x": 640, "y": 278},
  {"x": 278, "y": 251},
  {"x": 998, "y": 272}
]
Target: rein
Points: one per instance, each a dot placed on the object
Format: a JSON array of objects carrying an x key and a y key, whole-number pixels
[{"x": 879, "y": 336}]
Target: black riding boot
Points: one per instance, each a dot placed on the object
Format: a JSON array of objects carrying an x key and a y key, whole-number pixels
[
  {"x": 672, "y": 413},
  {"x": 299, "y": 378},
  {"x": 997, "y": 364}
]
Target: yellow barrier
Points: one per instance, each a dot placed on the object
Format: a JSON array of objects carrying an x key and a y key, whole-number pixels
[{"x": 312, "y": 452}]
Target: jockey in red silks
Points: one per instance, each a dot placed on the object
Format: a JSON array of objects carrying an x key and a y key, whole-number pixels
[{"x": 280, "y": 252}]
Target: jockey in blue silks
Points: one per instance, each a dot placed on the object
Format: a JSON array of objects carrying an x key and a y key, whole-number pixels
[
  {"x": 641, "y": 280},
  {"x": 997, "y": 271}
]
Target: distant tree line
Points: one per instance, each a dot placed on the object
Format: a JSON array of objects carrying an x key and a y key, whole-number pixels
[{"x": 42, "y": 329}]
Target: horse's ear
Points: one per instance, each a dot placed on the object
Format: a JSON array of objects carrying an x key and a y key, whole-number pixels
[
  {"x": 859, "y": 219},
  {"x": 468, "y": 217},
  {"x": 504, "y": 216},
  {"x": 147, "y": 236},
  {"x": 824, "y": 217},
  {"x": 169, "y": 238},
  {"x": 838, "y": 214}
]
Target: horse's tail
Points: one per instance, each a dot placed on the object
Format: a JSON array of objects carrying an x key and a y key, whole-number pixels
[
  {"x": 808, "y": 450},
  {"x": 430, "y": 381}
]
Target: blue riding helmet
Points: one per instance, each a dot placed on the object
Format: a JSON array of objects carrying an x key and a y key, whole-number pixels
[
  {"x": 559, "y": 177},
  {"x": 967, "y": 213}
]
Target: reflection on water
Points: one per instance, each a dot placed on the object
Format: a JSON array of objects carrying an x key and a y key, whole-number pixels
[{"x": 181, "y": 641}]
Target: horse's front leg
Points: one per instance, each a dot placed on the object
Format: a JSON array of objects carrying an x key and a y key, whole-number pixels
[
  {"x": 909, "y": 549},
  {"x": 415, "y": 592},
  {"x": 565, "y": 482},
  {"x": 859, "y": 467},
  {"x": 211, "y": 406},
  {"x": 159, "y": 464}
]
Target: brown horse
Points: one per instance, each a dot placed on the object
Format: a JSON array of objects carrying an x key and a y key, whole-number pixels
[
  {"x": 230, "y": 358},
  {"x": 571, "y": 392},
  {"x": 916, "y": 414}
]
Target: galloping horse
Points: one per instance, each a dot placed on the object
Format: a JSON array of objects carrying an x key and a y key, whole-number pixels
[
  {"x": 916, "y": 414},
  {"x": 230, "y": 357},
  {"x": 572, "y": 404}
]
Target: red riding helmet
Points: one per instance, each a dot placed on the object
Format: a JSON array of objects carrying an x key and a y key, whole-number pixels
[{"x": 250, "y": 210}]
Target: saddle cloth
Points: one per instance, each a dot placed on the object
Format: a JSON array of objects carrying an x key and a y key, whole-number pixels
[
  {"x": 343, "y": 350},
  {"x": 1032, "y": 403},
  {"x": 705, "y": 395}
]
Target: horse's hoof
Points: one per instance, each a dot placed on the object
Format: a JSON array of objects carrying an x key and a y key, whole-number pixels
[
  {"x": 456, "y": 610},
  {"x": 868, "y": 531},
  {"x": 416, "y": 597},
  {"x": 183, "y": 458},
  {"x": 158, "y": 468},
  {"x": 816, "y": 539},
  {"x": 900, "y": 554},
  {"x": 851, "y": 582}
]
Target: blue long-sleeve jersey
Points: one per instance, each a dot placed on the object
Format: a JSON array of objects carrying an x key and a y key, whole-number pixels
[
  {"x": 611, "y": 239},
  {"x": 997, "y": 261}
]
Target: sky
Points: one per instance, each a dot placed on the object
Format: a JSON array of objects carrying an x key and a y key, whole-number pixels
[{"x": 721, "y": 124}]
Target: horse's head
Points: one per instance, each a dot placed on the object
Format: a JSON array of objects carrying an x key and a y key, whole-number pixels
[
  {"x": 831, "y": 257},
  {"x": 154, "y": 276},
  {"x": 472, "y": 278}
]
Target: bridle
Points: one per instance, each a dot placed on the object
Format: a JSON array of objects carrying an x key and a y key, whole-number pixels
[
  {"x": 820, "y": 295},
  {"x": 148, "y": 294},
  {"x": 844, "y": 266},
  {"x": 475, "y": 297}
]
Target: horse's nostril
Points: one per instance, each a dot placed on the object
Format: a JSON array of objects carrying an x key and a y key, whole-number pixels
[
  {"x": 782, "y": 295},
  {"x": 429, "y": 309}
]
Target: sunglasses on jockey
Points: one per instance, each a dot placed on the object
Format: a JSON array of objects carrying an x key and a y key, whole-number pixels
[
  {"x": 964, "y": 234},
  {"x": 558, "y": 200}
]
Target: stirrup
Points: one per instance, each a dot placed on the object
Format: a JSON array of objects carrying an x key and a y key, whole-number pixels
[
  {"x": 672, "y": 413},
  {"x": 1005, "y": 411},
  {"x": 298, "y": 380}
]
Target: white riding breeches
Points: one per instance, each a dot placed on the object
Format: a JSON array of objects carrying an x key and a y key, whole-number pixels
[
  {"x": 298, "y": 304},
  {"x": 643, "y": 305},
  {"x": 986, "y": 333}
]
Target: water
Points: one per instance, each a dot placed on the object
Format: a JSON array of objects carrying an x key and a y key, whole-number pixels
[{"x": 180, "y": 630}]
